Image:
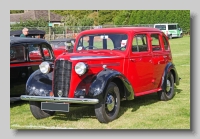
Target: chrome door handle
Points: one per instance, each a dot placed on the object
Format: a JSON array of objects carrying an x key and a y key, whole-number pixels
[{"x": 133, "y": 60}]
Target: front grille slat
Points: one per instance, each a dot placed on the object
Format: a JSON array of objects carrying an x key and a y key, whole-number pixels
[{"x": 62, "y": 77}]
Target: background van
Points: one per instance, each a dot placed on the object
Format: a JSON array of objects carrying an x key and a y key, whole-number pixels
[{"x": 170, "y": 29}]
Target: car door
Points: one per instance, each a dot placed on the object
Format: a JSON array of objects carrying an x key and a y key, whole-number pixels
[
  {"x": 158, "y": 57},
  {"x": 140, "y": 70}
]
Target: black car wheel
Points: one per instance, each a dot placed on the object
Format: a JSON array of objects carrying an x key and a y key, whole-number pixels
[
  {"x": 168, "y": 92},
  {"x": 108, "y": 110},
  {"x": 35, "y": 108}
]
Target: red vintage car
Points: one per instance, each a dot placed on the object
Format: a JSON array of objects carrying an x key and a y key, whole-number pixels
[
  {"x": 107, "y": 65},
  {"x": 63, "y": 45},
  {"x": 26, "y": 54}
]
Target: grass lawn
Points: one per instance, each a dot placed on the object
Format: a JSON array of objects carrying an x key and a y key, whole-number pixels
[{"x": 145, "y": 112}]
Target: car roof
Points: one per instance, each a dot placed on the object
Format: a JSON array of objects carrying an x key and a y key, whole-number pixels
[
  {"x": 124, "y": 29},
  {"x": 19, "y": 40},
  {"x": 30, "y": 32}
]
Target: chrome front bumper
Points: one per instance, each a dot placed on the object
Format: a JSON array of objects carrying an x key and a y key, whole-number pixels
[{"x": 59, "y": 99}]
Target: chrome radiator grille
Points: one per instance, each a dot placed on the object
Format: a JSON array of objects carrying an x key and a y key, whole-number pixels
[{"x": 62, "y": 77}]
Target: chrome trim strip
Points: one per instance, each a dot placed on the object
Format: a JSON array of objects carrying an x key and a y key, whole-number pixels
[
  {"x": 91, "y": 57},
  {"x": 59, "y": 99},
  {"x": 100, "y": 65}
]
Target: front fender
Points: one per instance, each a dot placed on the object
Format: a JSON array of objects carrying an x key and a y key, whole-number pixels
[
  {"x": 39, "y": 84},
  {"x": 101, "y": 81}
]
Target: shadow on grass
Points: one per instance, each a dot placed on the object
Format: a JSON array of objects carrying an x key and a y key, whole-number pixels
[
  {"x": 18, "y": 103},
  {"x": 76, "y": 113},
  {"x": 87, "y": 112},
  {"x": 177, "y": 90}
]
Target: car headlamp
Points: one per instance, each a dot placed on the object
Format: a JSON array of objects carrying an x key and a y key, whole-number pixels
[
  {"x": 80, "y": 68},
  {"x": 44, "y": 67}
]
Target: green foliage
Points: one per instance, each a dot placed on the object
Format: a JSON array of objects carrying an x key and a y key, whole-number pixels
[
  {"x": 107, "y": 16},
  {"x": 114, "y": 17},
  {"x": 79, "y": 14},
  {"x": 122, "y": 18},
  {"x": 30, "y": 23},
  {"x": 16, "y": 11}
]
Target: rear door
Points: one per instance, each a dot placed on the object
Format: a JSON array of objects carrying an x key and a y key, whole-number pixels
[
  {"x": 140, "y": 70},
  {"x": 158, "y": 56}
]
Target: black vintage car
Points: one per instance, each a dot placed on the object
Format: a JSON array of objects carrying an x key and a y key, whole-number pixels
[
  {"x": 32, "y": 33},
  {"x": 26, "y": 54}
]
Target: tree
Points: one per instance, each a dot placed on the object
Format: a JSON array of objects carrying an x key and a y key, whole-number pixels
[
  {"x": 16, "y": 11},
  {"x": 122, "y": 18}
]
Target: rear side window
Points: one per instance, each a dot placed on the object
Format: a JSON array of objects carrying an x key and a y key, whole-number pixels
[
  {"x": 155, "y": 43},
  {"x": 17, "y": 53},
  {"x": 166, "y": 45}
]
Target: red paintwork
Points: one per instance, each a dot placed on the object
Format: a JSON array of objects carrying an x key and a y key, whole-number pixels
[
  {"x": 58, "y": 51},
  {"x": 144, "y": 70}
]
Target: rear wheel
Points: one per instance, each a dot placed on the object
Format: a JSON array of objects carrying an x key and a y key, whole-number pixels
[
  {"x": 35, "y": 108},
  {"x": 168, "y": 92},
  {"x": 107, "y": 110}
]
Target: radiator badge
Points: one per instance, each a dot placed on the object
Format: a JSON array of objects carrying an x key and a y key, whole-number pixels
[{"x": 60, "y": 93}]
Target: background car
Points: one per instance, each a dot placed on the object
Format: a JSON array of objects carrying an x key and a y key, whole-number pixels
[
  {"x": 26, "y": 54},
  {"x": 32, "y": 33},
  {"x": 62, "y": 45},
  {"x": 171, "y": 30}
]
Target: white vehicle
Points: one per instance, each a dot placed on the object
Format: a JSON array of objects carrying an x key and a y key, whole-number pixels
[{"x": 170, "y": 29}]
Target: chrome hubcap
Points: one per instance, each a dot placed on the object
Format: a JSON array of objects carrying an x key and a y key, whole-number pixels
[
  {"x": 168, "y": 86},
  {"x": 110, "y": 102}
]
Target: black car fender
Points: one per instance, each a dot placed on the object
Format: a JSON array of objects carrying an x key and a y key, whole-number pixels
[
  {"x": 103, "y": 78},
  {"x": 39, "y": 84},
  {"x": 170, "y": 67}
]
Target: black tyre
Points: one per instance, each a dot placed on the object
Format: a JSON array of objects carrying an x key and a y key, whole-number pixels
[
  {"x": 168, "y": 92},
  {"x": 35, "y": 108},
  {"x": 108, "y": 110}
]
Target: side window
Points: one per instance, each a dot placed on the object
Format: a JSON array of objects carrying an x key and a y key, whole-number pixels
[
  {"x": 34, "y": 52},
  {"x": 139, "y": 43},
  {"x": 17, "y": 54},
  {"x": 46, "y": 51},
  {"x": 165, "y": 43},
  {"x": 155, "y": 43}
]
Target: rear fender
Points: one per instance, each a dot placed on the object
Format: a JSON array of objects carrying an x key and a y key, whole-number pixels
[{"x": 170, "y": 68}]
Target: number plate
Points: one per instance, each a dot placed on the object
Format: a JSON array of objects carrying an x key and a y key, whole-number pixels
[{"x": 50, "y": 106}]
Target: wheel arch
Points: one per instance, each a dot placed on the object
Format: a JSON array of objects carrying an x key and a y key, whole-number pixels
[
  {"x": 170, "y": 67},
  {"x": 103, "y": 78},
  {"x": 39, "y": 84}
]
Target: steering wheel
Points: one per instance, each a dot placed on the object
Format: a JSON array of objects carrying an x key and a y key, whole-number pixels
[
  {"x": 87, "y": 47},
  {"x": 121, "y": 48}
]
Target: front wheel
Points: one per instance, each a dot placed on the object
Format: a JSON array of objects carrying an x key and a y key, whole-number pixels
[
  {"x": 35, "y": 108},
  {"x": 107, "y": 110},
  {"x": 168, "y": 92}
]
